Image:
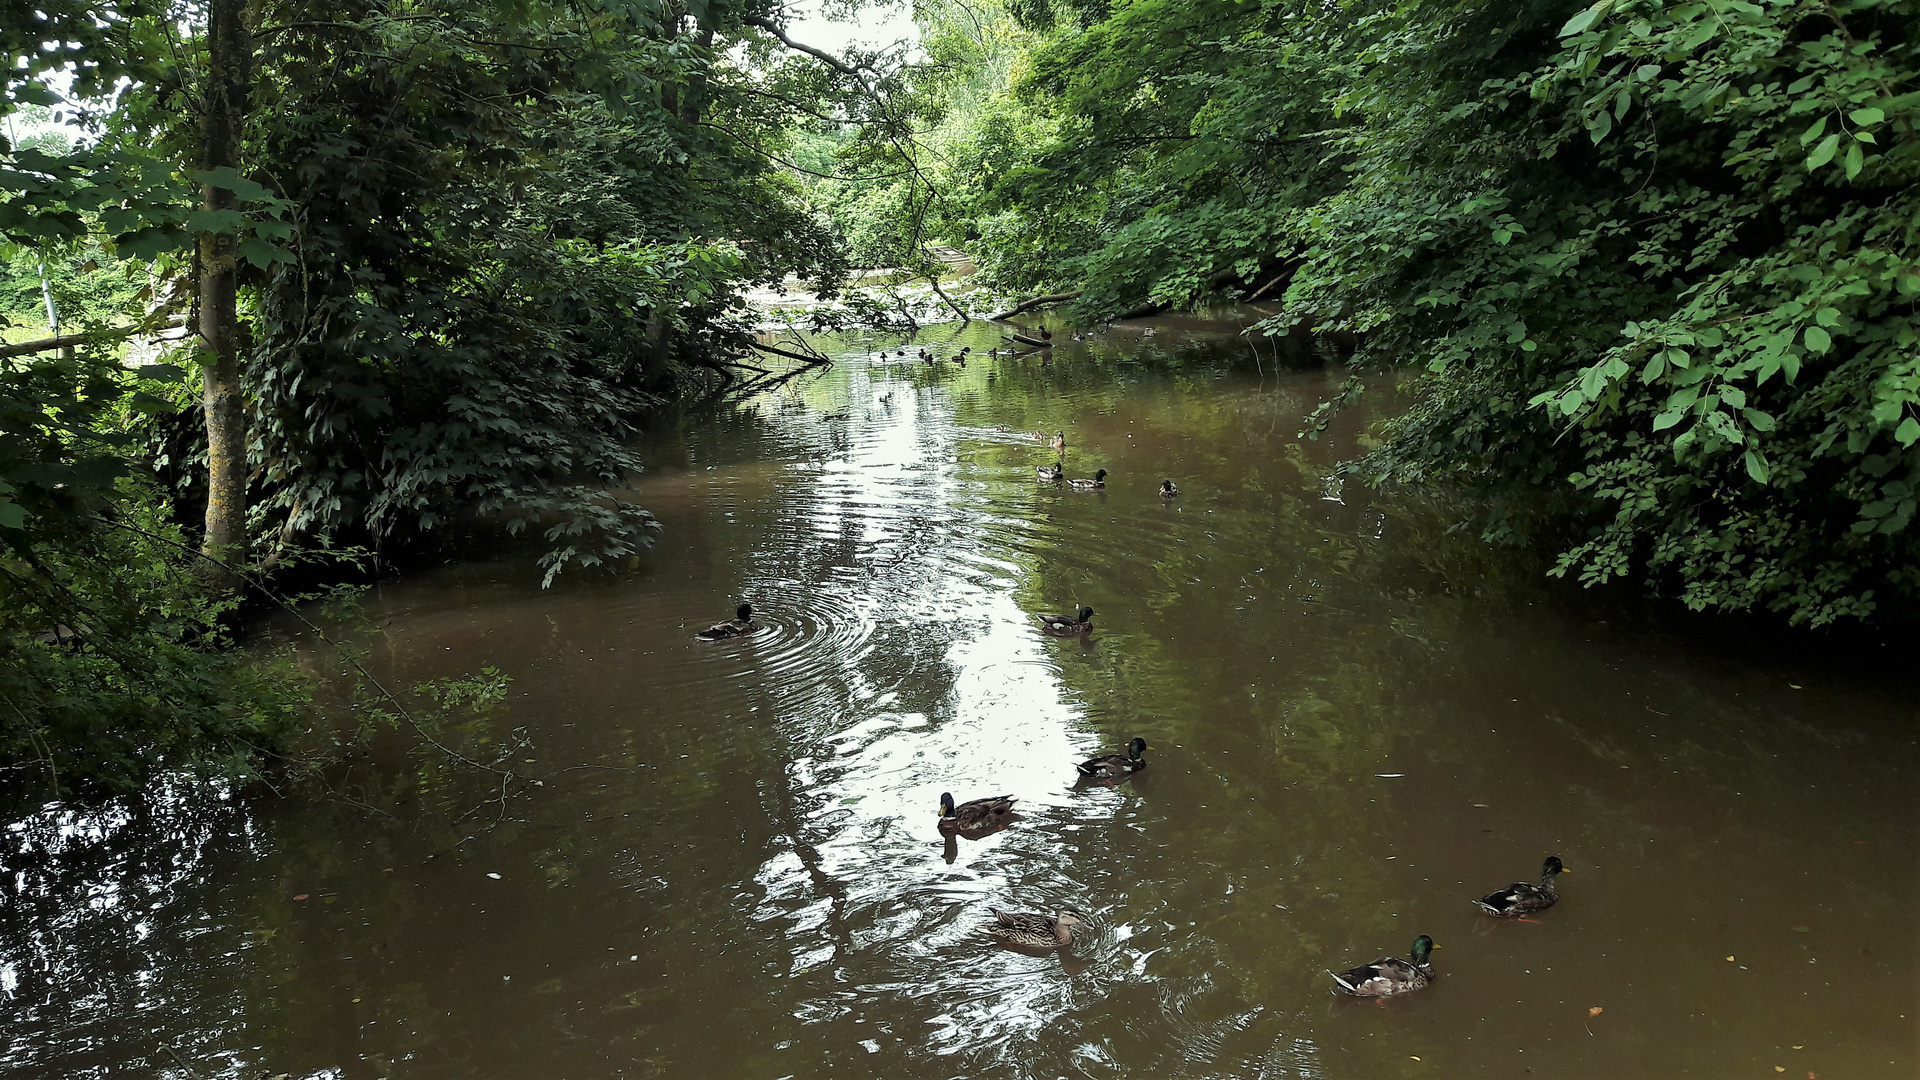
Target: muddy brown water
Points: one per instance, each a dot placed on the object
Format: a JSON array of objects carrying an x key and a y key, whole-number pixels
[{"x": 733, "y": 868}]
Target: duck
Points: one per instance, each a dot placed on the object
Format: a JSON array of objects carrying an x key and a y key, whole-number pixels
[
  {"x": 1115, "y": 765},
  {"x": 1048, "y": 472},
  {"x": 1521, "y": 897},
  {"x": 1067, "y": 625},
  {"x": 1059, "y": 441},
  {"x": 1046, "y": 334},
  {"x": 975, "y": 815},
  {"x": 1390, "y": 975},
  {"x": 1033, "y": 930},
  {"x": 741, "y": 623},
  {"x": 1081, "y": 483},
  {"x": 1168, "y": 491}
]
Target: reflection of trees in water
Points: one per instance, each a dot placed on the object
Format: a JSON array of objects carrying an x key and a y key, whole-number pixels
[
  {"x": 104, "y": 919},
  {"x": 1277, "y": 640}
]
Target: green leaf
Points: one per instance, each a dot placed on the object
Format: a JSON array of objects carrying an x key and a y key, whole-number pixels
[
  {"x": 1817, "y": 340},
  {"x": 1822, "y": 153},
  {"x": 1867, "y": 116},
  {"x": 262, "y": 254},
  {"x": 1586, "y": 18},
  {"x": 12, "y": 514},
  {"x": 1667, "y": 419},
  {"x": 1813, "y": 132},
  {"x": 1908, "y": 432},
  {"x": 228, "y": 179},
  {"x": 219, "y": 222},
  {"x": 145, "y": 244},
  {"x": 1853, "y": 160},
  {"x": 1756, "y": 466},
  {"x": 1600, "y": 125}
]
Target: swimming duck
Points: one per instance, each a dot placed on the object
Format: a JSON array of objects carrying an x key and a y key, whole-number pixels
[
  {"x": 1168, "y": 491},
  {"x": 741, "y": 623},
  {"x": 1390, "y": 975},
  {"x": 1520, "y": 897},
  {"x": 1059, "y": 440},
  {"x": 1067, "y": 625},
  {"x": 1033, "y": 930},
  {"x": 1048, "y": 472},
  {"x": 1117, "y": 764},
  {"x": 1081, "y": 483},
  {"x": 975, "y": 814}
]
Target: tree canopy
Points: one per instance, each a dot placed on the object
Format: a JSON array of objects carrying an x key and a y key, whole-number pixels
[{"x": 1655, "y": 264}]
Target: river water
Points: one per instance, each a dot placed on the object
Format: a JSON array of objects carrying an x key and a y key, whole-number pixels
[{"x": 732, "y": 867}]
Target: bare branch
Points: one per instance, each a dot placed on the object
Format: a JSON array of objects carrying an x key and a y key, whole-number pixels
[
  {"x": 1030, "y": 304},
  {"x": 85, "y": 337},
  {"x": 824, "y": 57}
]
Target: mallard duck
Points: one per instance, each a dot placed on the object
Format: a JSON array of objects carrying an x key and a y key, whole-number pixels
[
  {"x": 1168, "y": 491},
  {"x": 1390, "y": 975},
  {"x": 741, "y": 623},
  {"x": 1520, "y": 897},
  {"x": 1048, "y": 472},
  {"x": 1067, "y": 625},
  {"x": 1081, "y": 483},
  {"x": 1059, "y": 441},
  {"x": 974, "y": 815},
  {"x": 1117, "y": 764},
  {"x": 1033, "y": 930}
]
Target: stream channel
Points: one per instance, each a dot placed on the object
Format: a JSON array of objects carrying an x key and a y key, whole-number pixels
[{"x": 733, "y": 867}]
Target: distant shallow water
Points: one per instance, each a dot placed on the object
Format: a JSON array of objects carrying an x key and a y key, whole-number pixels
[{"x": 1356, "y": 730}]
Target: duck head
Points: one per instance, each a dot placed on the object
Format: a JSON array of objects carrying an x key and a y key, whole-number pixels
[
  {"x": 1100, "y": 476},
  {"x": 744, "y": 613},
  {"x": 1136, "y": 748},
  {"x": 1423, "y": 947},
  {"x": 1552, "y": 867},
  {"x": 946, "y": 804},
  {"x": 1086, "y": 614}
]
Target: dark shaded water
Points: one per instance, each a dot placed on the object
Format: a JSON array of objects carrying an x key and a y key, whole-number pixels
[{"x": 1359, "y": 725}]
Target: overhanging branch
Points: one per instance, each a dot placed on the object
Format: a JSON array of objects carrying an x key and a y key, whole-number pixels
[
  {"x": 85, "y": 337},
  {"x": 824, "y": 57}
]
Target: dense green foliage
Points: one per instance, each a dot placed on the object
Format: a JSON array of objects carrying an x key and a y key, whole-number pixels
[
  {"x": 104, "y": 665},
  {"x": 1657, "y": 262},
  {"x": 476, "y": 244}
]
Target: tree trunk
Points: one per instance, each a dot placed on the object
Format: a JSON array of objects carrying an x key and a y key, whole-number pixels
[{"x": 230, "y": 55}]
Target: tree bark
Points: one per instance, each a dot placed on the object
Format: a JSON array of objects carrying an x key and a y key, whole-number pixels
[
  {"x": 230, "y": 56},
  {"x": 1029, "y": 304}
]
